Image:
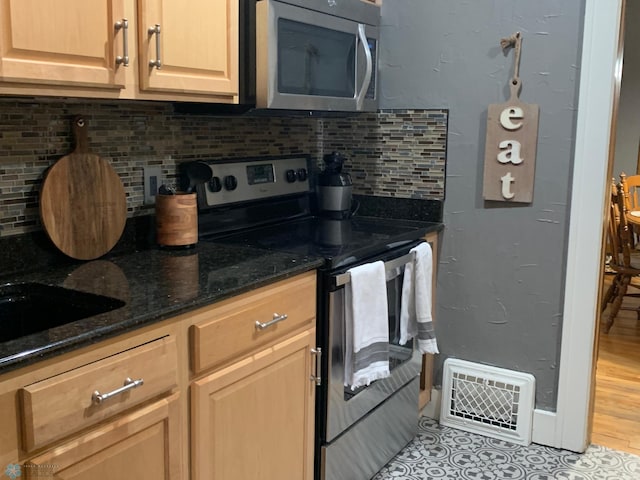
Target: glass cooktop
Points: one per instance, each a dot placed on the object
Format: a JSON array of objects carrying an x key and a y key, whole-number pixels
[{"x": 339, "y": 242}]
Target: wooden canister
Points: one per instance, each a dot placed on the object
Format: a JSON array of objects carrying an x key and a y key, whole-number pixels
[{"x": 177, "y": 220}]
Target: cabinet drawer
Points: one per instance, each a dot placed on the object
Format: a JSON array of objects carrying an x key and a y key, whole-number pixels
[
  {"x": 229, "y": 331},
  {"x": 66, "y": 403},
  {"x": 142, "y": 444}
]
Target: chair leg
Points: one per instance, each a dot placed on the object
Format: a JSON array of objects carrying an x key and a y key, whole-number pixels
[
  {"x": 621, "y": 291},
  {"x": 611, "y": 291}
]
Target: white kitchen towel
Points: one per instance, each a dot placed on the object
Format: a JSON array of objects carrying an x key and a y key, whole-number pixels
[
  {"x": 366, "y": 326},
  {"x": 415, "y": 310}
]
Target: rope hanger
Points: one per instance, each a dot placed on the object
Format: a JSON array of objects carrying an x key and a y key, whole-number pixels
[{"x": 515, "y": 41}]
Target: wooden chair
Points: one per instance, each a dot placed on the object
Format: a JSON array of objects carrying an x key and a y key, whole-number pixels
[
  {"x": 626, "y": 268},
  {"x": 631, "y": 192}
]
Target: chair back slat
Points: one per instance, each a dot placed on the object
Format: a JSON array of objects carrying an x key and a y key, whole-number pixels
[
  {"x": 626, "y": 190},
  {"x": 613, "y": 231}
]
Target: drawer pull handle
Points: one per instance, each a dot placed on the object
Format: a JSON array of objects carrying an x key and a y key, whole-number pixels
[
  {"x": 276, "y": 318},
  {"x": 129, "y": 384}
]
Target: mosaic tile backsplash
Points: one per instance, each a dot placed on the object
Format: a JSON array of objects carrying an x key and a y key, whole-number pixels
[{"x": 390, "y": 153}]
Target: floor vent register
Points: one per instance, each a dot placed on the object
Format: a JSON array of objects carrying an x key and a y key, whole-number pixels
[{"x": 487, "y": 400}]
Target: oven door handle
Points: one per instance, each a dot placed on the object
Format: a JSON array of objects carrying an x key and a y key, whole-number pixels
[{"x": 391, "y": 268}]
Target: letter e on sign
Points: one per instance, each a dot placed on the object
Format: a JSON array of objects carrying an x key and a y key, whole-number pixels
[{"x": 508, "y": 115}]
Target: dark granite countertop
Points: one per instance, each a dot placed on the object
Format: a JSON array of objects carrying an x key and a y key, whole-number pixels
[
  {"x": 158, "y": 284},
  {"x": 155, "y": 285}
]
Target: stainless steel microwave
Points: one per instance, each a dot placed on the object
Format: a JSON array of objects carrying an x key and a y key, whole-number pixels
[{"x": 317, "y": 55}]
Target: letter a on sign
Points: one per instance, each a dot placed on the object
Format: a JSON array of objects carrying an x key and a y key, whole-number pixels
[{"x": 512, "y": 138}]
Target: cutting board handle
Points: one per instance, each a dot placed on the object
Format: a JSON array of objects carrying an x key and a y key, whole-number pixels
[
  {"x": 515, "y": 85},
  {"x": 79, "y": 127}
]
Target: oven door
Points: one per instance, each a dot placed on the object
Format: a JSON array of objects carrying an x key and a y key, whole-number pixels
[
  {"x": 345, "y": 406},
  {"x": 310, "y": 60}
]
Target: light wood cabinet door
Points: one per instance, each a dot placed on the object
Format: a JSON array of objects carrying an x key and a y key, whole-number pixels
[
  {"x": 255, "y": 418},
  {"x": 197, "y": 43},
  {"x": 144, "y": 444},
  {"x": 68, "y": 42}
]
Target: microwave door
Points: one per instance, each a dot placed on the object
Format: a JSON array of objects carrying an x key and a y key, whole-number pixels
[{"x": 306, "y": 60}]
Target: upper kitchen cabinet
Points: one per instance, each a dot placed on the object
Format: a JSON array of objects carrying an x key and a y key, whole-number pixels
[
  {"x": 75, "y": 43},
  {"x": 121, "y": 49},
  {"x": 192, "y": 49}
]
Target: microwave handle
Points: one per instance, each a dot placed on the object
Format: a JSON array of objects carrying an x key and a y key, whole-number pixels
[{"x": 367, "y": 74}]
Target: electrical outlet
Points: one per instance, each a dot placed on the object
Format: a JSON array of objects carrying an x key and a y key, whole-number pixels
[{"x": 152, "y": 181}]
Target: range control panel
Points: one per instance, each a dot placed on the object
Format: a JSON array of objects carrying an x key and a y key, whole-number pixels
[{"x": 245, "y": 180}]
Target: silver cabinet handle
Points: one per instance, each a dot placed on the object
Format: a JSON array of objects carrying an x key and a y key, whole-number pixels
[
  {"x": 276, "y": 318},
  {"x": 129, "y": 384},
  {"x": 367, "y": 73},
  {"x": 318, "y": 353},
  {"x": 157, "y": 62},
  {"x": 124, "y": 26}
]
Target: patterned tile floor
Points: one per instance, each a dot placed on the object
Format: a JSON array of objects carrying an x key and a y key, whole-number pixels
[{"x": 447, "y": 453}]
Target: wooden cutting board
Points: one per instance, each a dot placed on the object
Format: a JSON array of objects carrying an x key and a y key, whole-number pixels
[
  {"x": 511, "y": 142},
  {"x": 83, "y": 206}
]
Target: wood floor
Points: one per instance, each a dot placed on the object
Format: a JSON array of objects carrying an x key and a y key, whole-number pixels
[{"x": 616, "y": 417}]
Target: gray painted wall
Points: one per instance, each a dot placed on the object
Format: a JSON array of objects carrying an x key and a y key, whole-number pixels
[
  {"x": 501, "y": 271},
  {"x": 628, "y": 122}
]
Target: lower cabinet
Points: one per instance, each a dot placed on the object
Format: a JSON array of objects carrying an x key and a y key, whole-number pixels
[
  {"x": 254, "y": 419},
  {"x": 140, "y": 445},
  {"x": 230, "y": 386}
]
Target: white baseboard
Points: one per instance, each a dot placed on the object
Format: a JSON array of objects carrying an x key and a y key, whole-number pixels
[
  {"x": 432, "y": 409},
  {"x": 544, "y": 428},
  {"x": 544, "y": 422}
]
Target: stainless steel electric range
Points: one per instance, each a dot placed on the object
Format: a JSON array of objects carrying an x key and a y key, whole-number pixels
[{"x": 268, "y": 203}]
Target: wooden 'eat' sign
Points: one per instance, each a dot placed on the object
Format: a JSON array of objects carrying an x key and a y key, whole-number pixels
[{"x": 510, "y": 151}]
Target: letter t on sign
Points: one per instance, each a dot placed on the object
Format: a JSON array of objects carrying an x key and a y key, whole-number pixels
[{"x": 510, "y": 150}]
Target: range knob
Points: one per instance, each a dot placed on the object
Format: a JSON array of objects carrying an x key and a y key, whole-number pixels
[
  {"x": 215, "y": 185},
  {"x": 302, "y": 174},
  {"x": 290, "y": 175},
  {"x": 230, "y": 182}
]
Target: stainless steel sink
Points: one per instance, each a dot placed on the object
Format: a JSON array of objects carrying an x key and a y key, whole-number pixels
[{"x": 27, "y": 308}]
